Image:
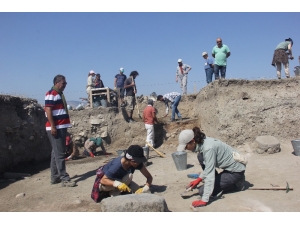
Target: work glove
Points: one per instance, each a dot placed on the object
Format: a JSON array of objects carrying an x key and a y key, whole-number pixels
[
  {"x": 199, "y": 203},
  {"x": 121, "y": 186},
  {"x": 144, "y": 189},
  {"x": 194, "y": 183},
  {"x": 92, "y": 154}
]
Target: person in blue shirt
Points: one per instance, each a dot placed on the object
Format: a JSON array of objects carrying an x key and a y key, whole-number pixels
[
  {"x": 119, "y": 85},
  {"x": 116, "y": 176},
  {"x": 208, "y": 67}
]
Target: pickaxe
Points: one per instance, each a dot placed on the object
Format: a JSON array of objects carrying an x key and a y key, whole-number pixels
[{"x": 287, "y": 188}]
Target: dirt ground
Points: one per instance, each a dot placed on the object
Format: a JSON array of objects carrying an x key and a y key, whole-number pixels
[
  {"x": 40, "y": 196},
  {"x": 262, "y": 169}
]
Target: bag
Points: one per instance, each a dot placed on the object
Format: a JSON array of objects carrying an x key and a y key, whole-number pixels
[{"x": 240, "y": 158}]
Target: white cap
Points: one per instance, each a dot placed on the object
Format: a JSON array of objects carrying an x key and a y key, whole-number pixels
[
  {"x": 185, "y": 137},
  {"x": 179, "y": 60},
  {"x": 92, "y": 71},
  {"x": 204, "y": 53},
  {"x": 122, "y": 69}
]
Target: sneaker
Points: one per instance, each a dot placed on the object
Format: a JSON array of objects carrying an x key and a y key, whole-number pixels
[
  {"x": 56, "y": 181},
  {"x": 180, "y": 118},
  {"x": 131, "y": 121},
  {"x": 68, "y": 183},
  {"x": 172, "y": 120}
]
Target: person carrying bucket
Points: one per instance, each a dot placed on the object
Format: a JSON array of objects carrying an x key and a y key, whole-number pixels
[{"x": 212, "y": 154}]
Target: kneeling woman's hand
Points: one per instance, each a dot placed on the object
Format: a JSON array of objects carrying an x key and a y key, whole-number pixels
[{"x": 121, "y": 186}]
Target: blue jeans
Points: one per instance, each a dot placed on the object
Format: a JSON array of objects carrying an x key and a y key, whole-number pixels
[
  {"x": 174, "y": 107},
  {"x": 217, "y": 69},
  {"x": 209, "y": 72}
]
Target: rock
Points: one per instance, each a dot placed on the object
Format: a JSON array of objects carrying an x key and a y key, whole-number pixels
[
  {"x": 31, "y": 138},
  {"x": 266, "y": 144},
  {"x": 95, "y": 121},
  {"x": 20, "y": 195},
  {"x": 78, "y": 201},
  {"x": 168, "y": 135},
  {"x": 9, "y": 175},
  {"x": 134, "y": 203}
]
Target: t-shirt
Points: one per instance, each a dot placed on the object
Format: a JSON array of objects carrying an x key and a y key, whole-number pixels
[
  {"x": 283, "y": 45},
  {"x": 114, "y": 170},
  {"x": 148, "y": 114},
  {"x": 120, "y": 80},
  {"x": 220, "y": 54},
  {"x": 129, "y": 91},
  {"x": 207, "y": 63}
]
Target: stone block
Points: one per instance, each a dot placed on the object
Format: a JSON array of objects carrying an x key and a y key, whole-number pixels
[
  {"x": 266, "y": 144},
  {"x": 134, "y": 203}
]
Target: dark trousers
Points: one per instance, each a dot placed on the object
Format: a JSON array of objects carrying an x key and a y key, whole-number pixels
[
  {"x": 224, "y": 181},
  {"x": 222, "y": 69},
  {"x": 58, "y": 164}
]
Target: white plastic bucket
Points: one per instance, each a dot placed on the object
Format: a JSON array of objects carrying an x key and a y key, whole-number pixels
[{"x": 180, "y": 160}]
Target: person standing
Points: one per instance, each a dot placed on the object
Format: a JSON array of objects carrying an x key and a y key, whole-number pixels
[
  {"x": 98, "y": 83},
  {"x": 220, "y": 52},
  {"x": 90, "y": 83},
  {"x": 149, "y": 118},
  {"x": 129, "y": 86},
  {"x": 119, "y": 85},
  {"x": 208, "y": 67},
  {"x": 58, "y": 122},
  {"x": 281, "y": 56},
  {"x": 182, "y": 72},
  {"x": 174, "y": 99},
  {"x": 212, "y": 154}
]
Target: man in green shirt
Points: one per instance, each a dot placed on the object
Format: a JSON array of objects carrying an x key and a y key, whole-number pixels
[{"x": 220, "y": 52}]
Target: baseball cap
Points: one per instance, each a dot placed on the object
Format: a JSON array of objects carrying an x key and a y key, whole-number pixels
[
  {"x": 92, "y": 71},
  {"x": 179, "y": 60},
  {"x": 122, "y": 69},
  {"x": 68, "y": 140},
  {"x": 185, "y": 137},
  {"x": 204, "y": 53},
  {"x": 135, "y": 153}
]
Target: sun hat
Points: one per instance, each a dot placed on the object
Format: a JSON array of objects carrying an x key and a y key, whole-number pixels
[
  {"x": 204, "y": 53},
  {"x": 179, "y": 60},
  {"x": 122, "y": 70},
  {"x": 185, "y": 137},
  {"x": 135, "y": 153},
  {"x": 92, "y": 71}
]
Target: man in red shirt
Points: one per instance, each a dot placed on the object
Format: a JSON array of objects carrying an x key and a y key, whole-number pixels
[{"x": 149, "y": 118}]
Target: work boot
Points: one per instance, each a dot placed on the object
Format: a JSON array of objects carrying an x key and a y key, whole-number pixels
[
  {"x": 172, "y": 120},
  {"x": 68, "y": 183},
  {"x": 179, "y": 118},
  {"x": 56, "y": 181}
]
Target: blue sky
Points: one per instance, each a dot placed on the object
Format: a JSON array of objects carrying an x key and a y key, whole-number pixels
[{"x": 36, "y": 46}]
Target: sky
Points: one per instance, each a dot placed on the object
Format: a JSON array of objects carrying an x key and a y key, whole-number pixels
[{"x": 36, "y": 46}]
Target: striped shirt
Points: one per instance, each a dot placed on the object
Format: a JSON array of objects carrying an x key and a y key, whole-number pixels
[
  {"x": 170, "y": 97},
  {"x": 60, "y": 116}
]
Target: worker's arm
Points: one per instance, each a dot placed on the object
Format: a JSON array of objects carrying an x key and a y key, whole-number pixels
[
  {"x": 228, "y": 54},
  {"x": 189, "y": 68},
  {"x": 48, "y": 111},
  {"x": 167, "y": 108},
  {"x": 106, "y": 181},
  {"x": 129, "y": 85},
  {"x": 102, "y": 147},
  {"x": 115, "y": 83},
  {"x": 148, "y": 176},
  {"x": 177, "y": 74},
  {"x": 290, "y": 51},
  {"x": 154, "y": 116}
]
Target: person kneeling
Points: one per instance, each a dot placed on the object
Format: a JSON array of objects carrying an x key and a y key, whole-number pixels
[{"x": 115, "y": 177}]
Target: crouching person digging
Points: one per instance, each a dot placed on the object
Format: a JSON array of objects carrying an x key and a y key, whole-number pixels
[
  {"x": 115, "y": 177},
  {"x": 212, "y": 154}
]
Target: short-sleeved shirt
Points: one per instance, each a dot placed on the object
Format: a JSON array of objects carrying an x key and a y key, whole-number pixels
[
  {"x": 283, "y": 45},
  {"x": 120, "y": 80},
  {"x": 185, "y": 67},
  {"x": 220, "y": 55},
  {"x": 148, "y": 114},
  {"x": 170, "y": 97},
  {"x": 114, "y": 170},
  {"x": 129, "y": 91},
  {"x": 208, "y": 62}
]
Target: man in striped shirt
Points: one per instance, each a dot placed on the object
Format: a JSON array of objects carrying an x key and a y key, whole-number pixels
[
  {"x": 58, "y": 121},
  {"x": 174, "y": 99}
]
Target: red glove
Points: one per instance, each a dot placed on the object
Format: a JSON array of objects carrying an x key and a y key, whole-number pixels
[
  {"x": 92, "y": 155},
  {"x": 194, "y": 183},
  {"x": 199, "y": 203}
]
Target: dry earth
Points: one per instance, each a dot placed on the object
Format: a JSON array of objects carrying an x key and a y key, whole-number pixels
[{"x": 262, "y": 169}]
